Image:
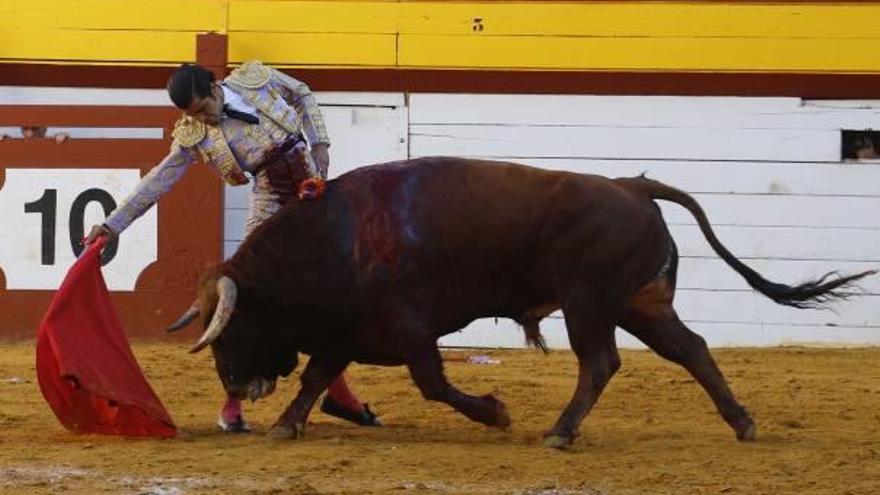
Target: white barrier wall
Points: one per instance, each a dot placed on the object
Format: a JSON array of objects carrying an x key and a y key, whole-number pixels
[{"x": 767, "y": 171}]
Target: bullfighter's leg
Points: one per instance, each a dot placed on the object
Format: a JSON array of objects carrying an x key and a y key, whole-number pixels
[
  {"x": 315, "y": 378},
  {"x": 343, "y": 395},
  {"x": 342, "y": 402},
  {"x": 651, "y": 318},
  {"x": 426, "y": 368},
  {"x": 591, "y": 335},
  {"x": 232, "y": 418}
]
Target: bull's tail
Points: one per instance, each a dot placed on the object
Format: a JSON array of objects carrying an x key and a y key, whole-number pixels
[{"x": 811, "y": 294}]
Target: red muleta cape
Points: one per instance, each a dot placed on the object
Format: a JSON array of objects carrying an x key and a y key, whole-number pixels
[{"x": 85, "y": 367}]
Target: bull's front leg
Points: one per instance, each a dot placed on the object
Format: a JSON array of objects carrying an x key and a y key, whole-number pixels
[
  {"x": 426, "y": 367},
  {"x": 316, "y": 377}
]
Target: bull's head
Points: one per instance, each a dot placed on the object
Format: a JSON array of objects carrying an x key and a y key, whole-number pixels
[{"x": 247, "y": 357}]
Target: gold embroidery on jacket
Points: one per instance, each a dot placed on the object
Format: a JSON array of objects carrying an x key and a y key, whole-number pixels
[
  {"x": 221, "y": 156},
  {"x": 249, "y": 80},
  {"x": 260, "y": 134},
  {"x": 251, "y": 75},
  {"x": 188, "y": 131},
  {"x": 275, "y": 108}
]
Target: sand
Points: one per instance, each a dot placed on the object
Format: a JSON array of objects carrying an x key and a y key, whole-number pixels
[{"x": 653, "y": 431}]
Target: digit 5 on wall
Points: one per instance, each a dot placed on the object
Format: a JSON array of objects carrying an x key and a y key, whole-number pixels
[{"x": 45, "y": 215}]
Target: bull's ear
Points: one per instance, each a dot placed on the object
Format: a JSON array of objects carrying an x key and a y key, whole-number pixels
[{"x": 184, "y": 320}]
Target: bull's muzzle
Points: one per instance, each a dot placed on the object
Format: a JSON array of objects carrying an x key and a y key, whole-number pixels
[{"x": 259, "y": 388}]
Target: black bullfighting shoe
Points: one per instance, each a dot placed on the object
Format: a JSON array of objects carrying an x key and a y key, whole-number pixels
[
  {"x": 362, "y": 418},
  {"x": 239, "y": 425}
]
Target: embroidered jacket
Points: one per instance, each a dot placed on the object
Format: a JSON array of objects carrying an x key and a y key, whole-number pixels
[{"x": 286, "y": 107}]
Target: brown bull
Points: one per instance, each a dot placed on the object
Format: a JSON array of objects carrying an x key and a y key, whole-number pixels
[{"x": 396, "y": 255}]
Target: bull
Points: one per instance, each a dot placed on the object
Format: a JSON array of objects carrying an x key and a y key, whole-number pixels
[{"x": 396, "y": 255}]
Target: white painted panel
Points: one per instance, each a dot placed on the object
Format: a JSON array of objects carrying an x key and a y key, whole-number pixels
[
  {"x": 639, "y": 111},
  {"x": 94, "y": 132},
  {"x": 617, "y": 142},
  {"x": 21, "y": 259},
  {"x": 486, "y": 333},
  {"x": 825, "y": 178},
  {"x": 782, "y": 211},
  {"x": 229, "y": 248},
  {"x": 362, "y": 99},
  {"x": 233, "y": 224},
  {"x": 110, "y": 132},
  {"x": 237, "y": 196},
  {"x": 30, "y": 95},
  {"x": 442, "y": 108},
  {"x": 365, "y": 135}
]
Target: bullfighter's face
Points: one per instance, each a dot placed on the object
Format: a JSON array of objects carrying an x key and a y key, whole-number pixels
[{"x": 208, "y": 109}]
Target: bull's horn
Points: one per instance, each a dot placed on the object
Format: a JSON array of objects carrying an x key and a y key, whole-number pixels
[
  {"x": 226, "y": 295},
  {"x": 184, "y": 320}
]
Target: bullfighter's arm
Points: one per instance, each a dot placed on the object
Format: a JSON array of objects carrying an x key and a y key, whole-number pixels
[
  {"x": 298, "y": 94},
  {"x": 152, "y": 186}
]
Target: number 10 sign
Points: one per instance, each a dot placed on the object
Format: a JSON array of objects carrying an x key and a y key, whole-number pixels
[{"x": 45, "y": 213}]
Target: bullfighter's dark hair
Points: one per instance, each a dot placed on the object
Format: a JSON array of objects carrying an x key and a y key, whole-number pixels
[{"x": 187, "y": 82}]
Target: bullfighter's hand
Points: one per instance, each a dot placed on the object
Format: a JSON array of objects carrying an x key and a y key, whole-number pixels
[
  {"x": 98, "y": 231},
  {"x": 322, "y": 158}
]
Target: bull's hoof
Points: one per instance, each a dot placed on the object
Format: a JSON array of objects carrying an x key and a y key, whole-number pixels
[
  {"x": 502, "y": 417},
  {"x": 558, "y": 441},
  {"x": 748, "y": 433},
  {"x": 284, "y": 432}
]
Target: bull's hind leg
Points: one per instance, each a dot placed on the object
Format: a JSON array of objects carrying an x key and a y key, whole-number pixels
[
  {"x": 651, "y": 318},
  {"x": 314, "y": 380},
  {"x": 426, "y": 367},
  {"x": 591, "y": 335}
]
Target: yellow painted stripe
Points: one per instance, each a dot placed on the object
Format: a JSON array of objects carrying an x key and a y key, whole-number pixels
[
  {"x": 669, "y": 54},
  {"x": 642, "y": 19},
  {"x": 314, "y": 17},
  {"x": 695, "y": 36},
  {"x": 106, "y": 46},
  {"x": 158, "y": 15},
  {"x": 313, "y": 49},
  {"x": 624, "y": 19}
]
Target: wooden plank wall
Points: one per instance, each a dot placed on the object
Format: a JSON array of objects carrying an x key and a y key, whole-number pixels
[
  {"x": 768, "y": 172},
  {"x": 731, "y": 36}
]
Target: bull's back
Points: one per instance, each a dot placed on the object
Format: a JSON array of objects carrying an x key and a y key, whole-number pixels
[
  {"x": 479, "y": 225},
  {"x": 444, "y": 205}
]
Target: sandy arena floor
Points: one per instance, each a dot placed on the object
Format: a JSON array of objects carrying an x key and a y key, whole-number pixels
[{"x": 654, "y": 431}]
